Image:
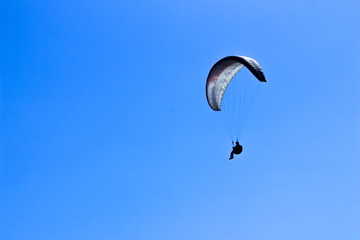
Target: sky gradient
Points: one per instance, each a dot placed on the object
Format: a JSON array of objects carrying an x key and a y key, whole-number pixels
[{"x": 106, "y": 132}]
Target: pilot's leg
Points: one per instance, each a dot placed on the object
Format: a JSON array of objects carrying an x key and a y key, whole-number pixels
[{"x": 231, "y": 155}]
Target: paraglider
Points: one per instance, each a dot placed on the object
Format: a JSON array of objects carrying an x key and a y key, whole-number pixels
[
  {"x": 237, "y": 149},
  {"x": 239, "y": 94}
]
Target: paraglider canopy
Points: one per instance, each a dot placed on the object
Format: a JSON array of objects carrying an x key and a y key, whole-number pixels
[{"x": 221, "y": 74}]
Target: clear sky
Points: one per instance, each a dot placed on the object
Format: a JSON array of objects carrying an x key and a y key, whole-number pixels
[{"x": 106, "y": 132}]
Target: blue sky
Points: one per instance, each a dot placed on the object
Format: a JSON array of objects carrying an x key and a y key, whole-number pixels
[{"x": 106, "y": 132}]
